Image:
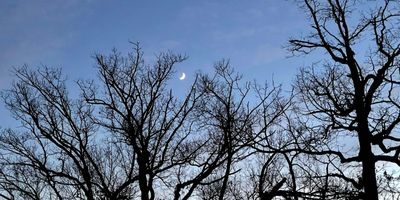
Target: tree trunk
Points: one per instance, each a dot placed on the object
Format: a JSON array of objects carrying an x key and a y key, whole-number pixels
[
  {"x": 226, "y": 177},
  {"x": 143, "y": 184},
  {"x": 368, "y": 166}
]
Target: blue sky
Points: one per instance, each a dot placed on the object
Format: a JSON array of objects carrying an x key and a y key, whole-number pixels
[{"x": 66, "y": 33}]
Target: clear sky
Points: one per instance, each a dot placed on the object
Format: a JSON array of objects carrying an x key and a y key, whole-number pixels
[{"x": 67, "y": 33}]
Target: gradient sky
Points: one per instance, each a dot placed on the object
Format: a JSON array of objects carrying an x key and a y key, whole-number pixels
[{"x": 67, "y": 33}]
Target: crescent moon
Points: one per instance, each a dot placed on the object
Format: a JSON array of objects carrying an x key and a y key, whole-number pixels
[{"x": 183, "y": 76}]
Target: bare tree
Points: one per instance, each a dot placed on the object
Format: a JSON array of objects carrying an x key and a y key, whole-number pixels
[
  {"x": 137, "y": 108},
  {"x": 99, "y": 146},
  {"x": 352, "y": 96},
  {"x": 238, "y": 114},
  {"x": 230, "y": 117},
  {"x": 54, "y": 154}
]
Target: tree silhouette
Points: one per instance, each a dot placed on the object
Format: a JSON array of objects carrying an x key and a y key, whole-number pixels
[
  {"x": 352, "y": 96},
  {"x": 235, "y": 122},
  {"x": 126, "y": 136}
]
